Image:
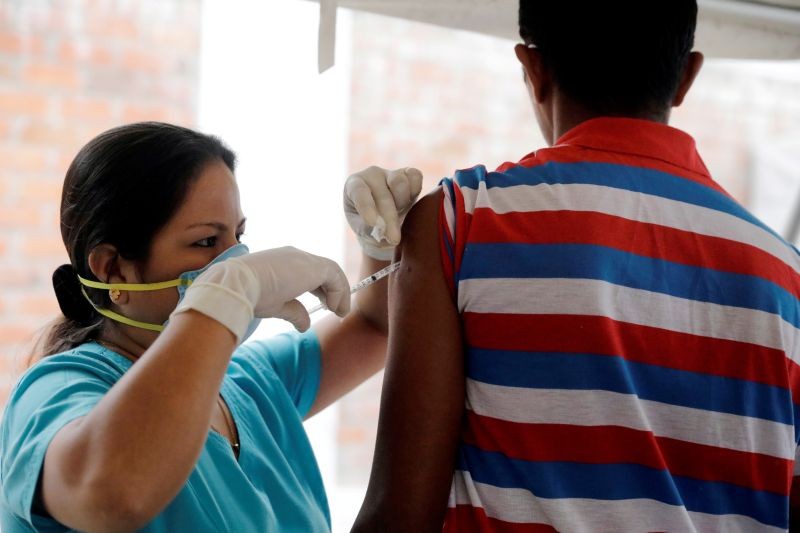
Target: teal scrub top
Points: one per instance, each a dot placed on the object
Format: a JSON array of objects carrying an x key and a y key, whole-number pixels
[{"x": 269, "y": 387}]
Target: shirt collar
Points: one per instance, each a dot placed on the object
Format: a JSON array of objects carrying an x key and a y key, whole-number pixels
[{"x": 639, "y": 137}]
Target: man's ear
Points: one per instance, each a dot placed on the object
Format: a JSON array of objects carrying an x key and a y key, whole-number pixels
[
  {"x": 693, "y": 66},
  {"x": 536, "y": 75},
  {"x": 104, "y": 262}
]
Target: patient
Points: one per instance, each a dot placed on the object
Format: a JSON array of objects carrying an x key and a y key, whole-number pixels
[{"x": 597, "y": 337}]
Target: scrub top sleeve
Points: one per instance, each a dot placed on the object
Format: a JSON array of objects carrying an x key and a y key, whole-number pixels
[
  {"x": 40, "y": 405},
  {"x": 296, "y": 360}
]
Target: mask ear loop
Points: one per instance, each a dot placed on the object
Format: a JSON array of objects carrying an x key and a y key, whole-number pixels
[
  {"x": 130, "y": 287},
  {"x": 135, "y": 286}
]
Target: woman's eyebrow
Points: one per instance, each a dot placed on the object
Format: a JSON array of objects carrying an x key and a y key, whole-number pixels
[{"x": 216, "y": 225}]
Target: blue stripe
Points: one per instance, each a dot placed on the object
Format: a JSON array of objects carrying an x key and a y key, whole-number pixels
[
  {"x": 587, "y": 261},
  {"x": 448, "y": 248},
  {"x": 622, "y": 482},
  {"x": 543, "y": 370},
  {"x": 627, "y": 177}
]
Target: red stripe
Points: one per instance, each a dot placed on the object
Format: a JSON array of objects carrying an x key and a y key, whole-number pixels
[
  {"x": 468, "y": 519},
  {"x": 640, "y": 238},
  {"x": 605, "y": 336},
  {"x": 447, "y": 247},
  {"x": 615, "y": 444},
  {"x": 462, "y": 227}
]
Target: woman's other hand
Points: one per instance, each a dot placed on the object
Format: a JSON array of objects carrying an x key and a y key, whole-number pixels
[{"x": 376, "y": 201}]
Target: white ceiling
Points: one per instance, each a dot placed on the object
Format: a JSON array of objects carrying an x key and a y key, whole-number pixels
[{"x": 768, "y": 29}]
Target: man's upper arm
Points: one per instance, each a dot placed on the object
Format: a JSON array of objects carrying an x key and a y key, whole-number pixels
[{"x": 423, "y": 391}]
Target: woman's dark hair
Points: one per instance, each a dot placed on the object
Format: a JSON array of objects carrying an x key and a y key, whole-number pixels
[
  {"x": 621, "y": 57},
  {"x": 120, "y": 189}
]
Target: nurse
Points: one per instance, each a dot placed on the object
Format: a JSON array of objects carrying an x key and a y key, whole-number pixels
[{"x": 144, "y": 410}]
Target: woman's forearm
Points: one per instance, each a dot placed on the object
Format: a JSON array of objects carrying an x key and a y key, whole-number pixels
[
  {"x": 121, "y": 464},
  {"x": 372, "y": 302},
  {"x": 353, "y": 348}
]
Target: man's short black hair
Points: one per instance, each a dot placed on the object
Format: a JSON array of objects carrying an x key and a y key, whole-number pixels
[{"x": 616, "y": 57}]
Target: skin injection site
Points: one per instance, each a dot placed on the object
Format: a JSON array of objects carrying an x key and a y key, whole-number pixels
[{"x": 502, "y": 266}]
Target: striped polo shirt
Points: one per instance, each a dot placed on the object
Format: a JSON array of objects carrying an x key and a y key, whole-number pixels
[{"x": 631, "y": 337}]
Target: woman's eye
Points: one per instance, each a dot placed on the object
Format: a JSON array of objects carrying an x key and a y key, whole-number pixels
[{"x": 208, "y": 242}]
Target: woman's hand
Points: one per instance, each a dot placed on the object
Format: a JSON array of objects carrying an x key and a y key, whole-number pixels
[
  {"x": 376, "y": 201},
  {"x": 265, "y": 285}
]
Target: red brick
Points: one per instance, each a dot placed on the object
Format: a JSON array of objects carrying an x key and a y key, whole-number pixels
[
  {"x": 8, "y": 69},
  {"x": 19, "y": 277},
  {"x": 53, "y": 75},
  {"x": 40, "y": 132},
  {"x": 10, "y": 43},
  {"x": 34, "y": 45},
  {"x": 93, "y": 53},
  {"x": 23, "y": 158},
  {"x": 117, "y": 28},
  {"x": 70, "y": 51},
  {"x": 42, "y": 246},
  {"x": 98, "y": 109},
  {"x": 65, "y": 159},
  {"x": 139, "y": 61},
  {"x": 177, "y": 39},
  {"x": 36, "y": 191},
  {"x": 10, "y": 333},
  {"x": 22, "y": 103},
  {"x": 101, "y": 56},
  {"x": 140, "y": 112},
  {"x": 15, "y": 357},
  {"x": 39, "y": 306}
]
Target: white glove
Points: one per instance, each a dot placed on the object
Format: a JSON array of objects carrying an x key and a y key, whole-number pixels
[
  {"x": 376, "y": 201},
  {"x": 265, "y": 285}
]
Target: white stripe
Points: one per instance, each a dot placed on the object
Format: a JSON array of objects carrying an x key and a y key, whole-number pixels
[
  {"x": 582, "y": 514},
  {"x": 631, "y": 205},
  {"x": 448, "y": 212},
  {"x": 532, "y": 296},
  {"x": 605, "y": 408},
  {"x": 796, "y": 470}
]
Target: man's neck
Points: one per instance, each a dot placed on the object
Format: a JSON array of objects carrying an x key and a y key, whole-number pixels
[{"x": 567, "y": 115}]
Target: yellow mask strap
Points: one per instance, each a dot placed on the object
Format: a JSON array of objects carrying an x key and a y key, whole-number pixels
[
  {"x": 118, "y": 317},
  {"x": 136, "y": 286}
]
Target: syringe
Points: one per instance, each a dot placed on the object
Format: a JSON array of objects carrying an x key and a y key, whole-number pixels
[{"x": 366, "y": 282}]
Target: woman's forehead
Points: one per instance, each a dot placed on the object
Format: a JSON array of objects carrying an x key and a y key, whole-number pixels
[{"x": 214, "y": 194}]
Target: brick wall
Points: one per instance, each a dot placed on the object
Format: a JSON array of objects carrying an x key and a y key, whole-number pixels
[
  {"x": 442, "y": 100},
  {"x": 68, "y": 71}
]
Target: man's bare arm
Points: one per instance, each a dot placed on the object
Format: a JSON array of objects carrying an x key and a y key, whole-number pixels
[{"x": 423, "y": 391}]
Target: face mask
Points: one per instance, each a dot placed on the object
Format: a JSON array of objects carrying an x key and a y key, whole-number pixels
[{"x": 183, "y": 282}]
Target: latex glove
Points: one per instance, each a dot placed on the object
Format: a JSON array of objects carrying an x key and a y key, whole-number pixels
[
  {"x": 376, "y": 201},
  {"x": 265, "y": 285}
]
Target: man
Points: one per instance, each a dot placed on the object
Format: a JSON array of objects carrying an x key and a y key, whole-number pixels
[{"x": 598, "y": 337}]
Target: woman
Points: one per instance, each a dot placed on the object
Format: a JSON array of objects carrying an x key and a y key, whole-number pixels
[{"x": 109, "y": 431}]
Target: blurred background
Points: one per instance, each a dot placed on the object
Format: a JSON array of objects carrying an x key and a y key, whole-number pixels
[{"x": 401, "y": 94}]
